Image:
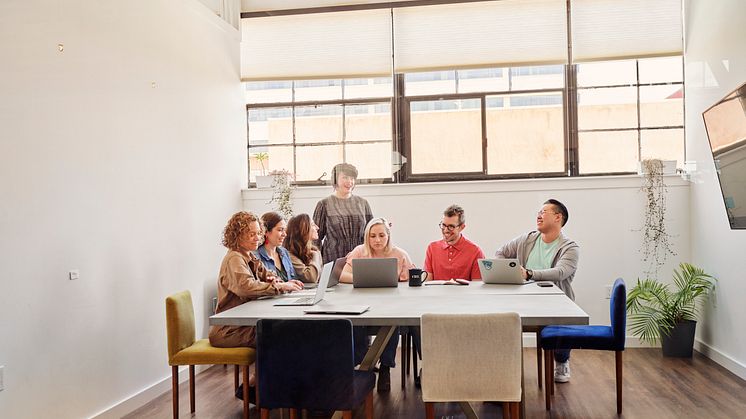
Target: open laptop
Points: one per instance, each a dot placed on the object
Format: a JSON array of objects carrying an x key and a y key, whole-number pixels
[
  {"x": 339, "y": 265},
  {"x": 375, "y": 273},
  {"x": 501, "y": 271},
  {"x": 320, "y": 290}
]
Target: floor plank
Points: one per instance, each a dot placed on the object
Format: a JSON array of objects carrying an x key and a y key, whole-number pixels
[{"x": 654, "y": 387}]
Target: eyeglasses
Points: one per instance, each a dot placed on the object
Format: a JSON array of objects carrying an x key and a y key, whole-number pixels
[
  {"x": 449, "y": 227},
  {"x": 542, "y": 212}
]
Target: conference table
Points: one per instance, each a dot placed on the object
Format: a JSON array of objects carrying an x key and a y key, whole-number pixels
[{"x": 404, "y": 305}]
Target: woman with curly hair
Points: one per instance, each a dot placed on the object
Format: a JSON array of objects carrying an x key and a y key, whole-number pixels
[
  {"x": 243, "y": 278},
  {"x": 305, "y": 256}
]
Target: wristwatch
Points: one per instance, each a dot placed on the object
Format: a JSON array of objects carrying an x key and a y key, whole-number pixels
[{"x": 529, "y": 274}]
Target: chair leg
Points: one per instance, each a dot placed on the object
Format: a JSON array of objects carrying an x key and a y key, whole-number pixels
[
  {"x": 430, "y": 410},
  {"x": 548, "y": 355},
  {"x": 191, "y": 388},
  {"x": 175, "y": 390},
  {"x": 293, "y": 413},
  {"x": 347, "y": 414},
  {"x": 514, "y": 410},
  {"x": 402, "y": 358},
  {"x": 369, "y": 406},
  {"x": 506, "y": 410},
  {"x": 235, "y": 377},
  {"x": 538, "y": 358},
  {"x": 619, "y": 368},
  {"x": 245, "y": 391},
  {"x": 409, "y": 349},
  {"x": 264, "y": 413}
]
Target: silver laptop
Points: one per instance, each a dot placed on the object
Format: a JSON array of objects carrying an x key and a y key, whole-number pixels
[
  {"x": 501, "y": 271},
  {"x": 375, "y": 273},
  {"x": 320, "y": 290}
]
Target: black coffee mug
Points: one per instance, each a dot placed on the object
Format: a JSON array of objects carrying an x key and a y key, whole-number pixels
[{"x": 417, "y": 277}]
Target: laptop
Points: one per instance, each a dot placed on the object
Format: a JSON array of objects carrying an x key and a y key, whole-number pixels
[
  {"x": 501, "y": 271},
  {"x": 339, "y": 265},
  {"x": 375, "y": 273},
  {"x": 320, "y": 290}
]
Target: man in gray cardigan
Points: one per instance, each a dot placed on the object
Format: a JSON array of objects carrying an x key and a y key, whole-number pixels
[{"x": 547, "y": 255}]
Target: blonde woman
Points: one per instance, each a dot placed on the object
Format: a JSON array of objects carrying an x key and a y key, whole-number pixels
[{"x": 377, "y": 244}]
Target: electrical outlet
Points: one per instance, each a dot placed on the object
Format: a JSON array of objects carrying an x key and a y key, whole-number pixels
[
  {"x": 608, "y": 292},
  {"x": 2, "y": 382},
  {"x": 74, "y": 274}
]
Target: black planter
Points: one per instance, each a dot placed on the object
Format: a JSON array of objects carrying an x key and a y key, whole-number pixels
[{"x": 680, "y": 342}]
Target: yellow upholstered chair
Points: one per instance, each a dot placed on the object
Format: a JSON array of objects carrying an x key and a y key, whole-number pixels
[
  {"x": 472, "y": 358},
  {"x": 184, "y": 349}
]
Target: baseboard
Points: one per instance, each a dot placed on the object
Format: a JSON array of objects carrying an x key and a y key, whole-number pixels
[
  {"x": 720, "y": 358},
  {"x": 529, "y": 341},
  {"x": 143, "y": 397}
]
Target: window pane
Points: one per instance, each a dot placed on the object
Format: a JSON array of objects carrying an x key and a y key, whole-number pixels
[
  {"x": 367, "y": 88},
  {"x": 270, "y": 126},
  {"x": 525, "y": 139},
  {"x": 308, "y": 90},
  {"x": 321, "y": 123},
  {"x": 483, "y": 80},
  {"x": 446, "y": 136},
  {"x": 661, "y": 105},
  {"x": 430, "y": 83},
  {"x": 368, "y": 122},
  {"x": 608, "y": 151},
  {"x": 661, "y": 70},
  {"x": 537, "y": 77},
  {"x": 664, "y": 144},
  {"x": 607, "y": 108},
  {"x": 609, "y": 73},
  {"x": 313, "y": 161},
  {"x": 277, "y": 158},
  {"x": 373, "y": 161},
  {"x": 269, "y": 91}
]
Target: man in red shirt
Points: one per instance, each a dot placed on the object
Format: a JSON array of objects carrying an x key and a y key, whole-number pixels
[{"x": 455, "y": 256}]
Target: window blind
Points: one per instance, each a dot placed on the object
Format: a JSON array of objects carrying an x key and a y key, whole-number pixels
[
  {"x": 324, "y": 45},
  {"x": 498, "y": 33},
  {"x": 616, "y": 29}
]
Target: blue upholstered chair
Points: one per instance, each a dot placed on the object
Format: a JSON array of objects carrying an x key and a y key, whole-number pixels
[
  {"x": 603, "y": 338},
  {"x": 308, "y": 364}
]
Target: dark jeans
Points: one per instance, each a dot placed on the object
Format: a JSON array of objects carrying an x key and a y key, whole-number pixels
[
  {"x": 360, "y": 337},
  {"x": 561, "y": 355}
]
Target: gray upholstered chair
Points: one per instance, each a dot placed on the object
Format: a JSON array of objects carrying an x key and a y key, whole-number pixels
[{"x": 471, "y": 358}]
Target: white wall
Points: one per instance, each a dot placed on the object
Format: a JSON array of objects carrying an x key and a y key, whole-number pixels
[
  {"x": 605, "y": 218},
  {"x": 715, "y": 65},
  {"x": 121, "y": 156}
]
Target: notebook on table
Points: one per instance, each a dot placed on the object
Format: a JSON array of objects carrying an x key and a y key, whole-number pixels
[
  {"x": 337, "y": 309},
  {"x": 320, "y": 290},
  {"x": 501, "y": 271},
  {"x": 375, "y": 273}
]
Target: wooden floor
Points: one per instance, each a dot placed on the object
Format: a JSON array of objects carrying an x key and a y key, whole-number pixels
[{"x": 654, "y": 387}]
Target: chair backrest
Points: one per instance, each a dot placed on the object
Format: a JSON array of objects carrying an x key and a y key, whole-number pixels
[
  {"x": 179, "y": 322},
  {"x": 471, "y": 357},
  {"x": 304, "y": 363},
  {"x": 618, "y": 313}
]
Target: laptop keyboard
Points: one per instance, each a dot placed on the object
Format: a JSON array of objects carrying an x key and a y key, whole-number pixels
[{"x": 304, "y": 300}]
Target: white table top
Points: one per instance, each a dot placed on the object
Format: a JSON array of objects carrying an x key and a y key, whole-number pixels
[{"x": 404, "y": 305}]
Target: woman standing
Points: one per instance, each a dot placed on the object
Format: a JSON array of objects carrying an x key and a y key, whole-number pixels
[
  {"x": 341, "y": 216},
  {"x": 275, "y": 257},
  {"x": 377, "y": 244},
  {"x": 304, "y": 255}
]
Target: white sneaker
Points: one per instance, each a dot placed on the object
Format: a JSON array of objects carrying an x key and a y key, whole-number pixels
[{"x": 561, "y": 372}]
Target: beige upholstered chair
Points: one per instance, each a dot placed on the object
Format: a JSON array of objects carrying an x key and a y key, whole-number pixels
[{"x": 470, "y": 358}]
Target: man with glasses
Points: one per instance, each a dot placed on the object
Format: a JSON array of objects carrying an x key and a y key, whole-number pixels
[
  {"x": 455, "y": 256},
  {"x": 547, "y": 255}
]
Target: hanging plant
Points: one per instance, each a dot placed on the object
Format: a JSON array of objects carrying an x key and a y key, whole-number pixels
[
  {"x": 282, "y": 192},
  {"x": 656, "y": 241}
]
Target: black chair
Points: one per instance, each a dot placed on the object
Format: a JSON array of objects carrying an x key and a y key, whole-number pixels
[
  {"x": 308, "y": 364},
  {"x": 603, "y": 338}
]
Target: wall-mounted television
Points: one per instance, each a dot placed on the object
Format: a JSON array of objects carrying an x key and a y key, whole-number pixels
[{"x": 725, "y": 122}]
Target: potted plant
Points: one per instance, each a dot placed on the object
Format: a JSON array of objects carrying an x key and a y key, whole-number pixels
[
  {"x": 282, "y": 194},
  {"x": 263, "y": 180},
  {"x": 656, "y": 241},
  {"x": 658, "y": 312}
]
